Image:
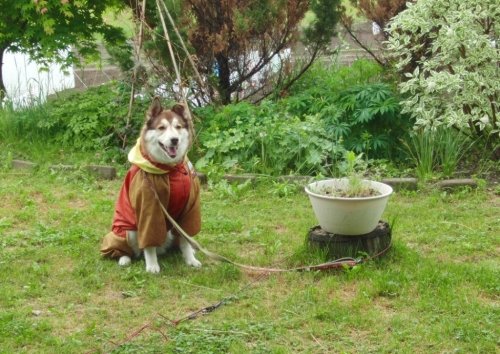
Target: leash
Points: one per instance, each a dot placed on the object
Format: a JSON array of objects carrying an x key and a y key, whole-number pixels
[{"x": 348, "y": 262}]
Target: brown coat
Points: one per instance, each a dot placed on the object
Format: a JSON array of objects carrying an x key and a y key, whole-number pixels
[{"x": 138, "y": 210}]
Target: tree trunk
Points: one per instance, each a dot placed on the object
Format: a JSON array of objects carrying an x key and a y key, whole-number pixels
[
  {"x": 224, "y": 74},
  {"x": 3, "y": 91}
]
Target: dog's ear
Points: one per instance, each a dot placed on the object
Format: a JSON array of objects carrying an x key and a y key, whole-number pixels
[
  {"x": 155, "y": 108},
  {"x": 180, "y": 110},
  {"x": 183, "y": 111}
]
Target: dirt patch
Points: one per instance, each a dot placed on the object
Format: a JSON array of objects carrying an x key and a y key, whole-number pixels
[{"x": 342, "y": 193}]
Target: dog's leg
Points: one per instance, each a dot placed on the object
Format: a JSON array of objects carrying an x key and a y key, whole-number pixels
[
  {"x": 125, "y": 261},
  {"x": 188, "y": 253},
  {"x": 166, "y": 245},
  {"x": 151, "y": 259},
  {"x": 133, "y": 242}
]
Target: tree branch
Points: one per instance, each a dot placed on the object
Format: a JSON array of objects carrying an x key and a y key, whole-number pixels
[{"x": 364, "y": 47}]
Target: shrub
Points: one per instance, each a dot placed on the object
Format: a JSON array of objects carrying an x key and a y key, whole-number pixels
[
  {"x": 95, "y": 118},
  {"x": 321, "y": 84},
  {"x": 359, "y": 108},
  {"x": 436, "y": 151},
  {"x": 261, "y": 139},
  {"x": 447, "y": 54},
  {"x": 308, "y": 131},
  {"x": 369, "y": 120}
]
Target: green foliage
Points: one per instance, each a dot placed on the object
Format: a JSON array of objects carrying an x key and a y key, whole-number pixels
[
  {"x": 447, "y": 53},
  {"x": 264, "y": 140},
  {"x": 92, "y": 120},
  {"x": 329, "y": 111},
  {"x": 320, "y": 81},
  {"x": 322, "y": 28},
  {"x": 356, "y": 187},
  {"x": 45, "y": 29},
  {"x": 421, "y": 149},
  {"x": 121, "y": 54},
  {"x": 436, "y": 151},
  {"x": 95, "y": 118},
  {"x": 359, "y": 108},
  {"x": 369, "y": 120}
]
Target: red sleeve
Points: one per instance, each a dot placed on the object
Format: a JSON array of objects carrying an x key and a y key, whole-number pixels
[{"x": 125, "y": 218}]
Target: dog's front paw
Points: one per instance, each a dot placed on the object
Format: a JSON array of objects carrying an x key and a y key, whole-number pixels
[
  {"x": 124, "y": 261},
  {"x": 152, "y": 265},
  {"x": 153, "y": 268},
  {"x": 193, "y": 262}
]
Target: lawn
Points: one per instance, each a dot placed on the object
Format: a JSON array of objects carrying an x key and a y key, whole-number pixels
[{"x": 435, "y": 291}]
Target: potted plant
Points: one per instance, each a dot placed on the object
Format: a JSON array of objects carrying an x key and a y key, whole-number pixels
[{"x": 351, "y": 205}]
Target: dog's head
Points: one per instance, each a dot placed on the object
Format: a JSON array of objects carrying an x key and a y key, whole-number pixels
[{"x": 167, "y": 133}]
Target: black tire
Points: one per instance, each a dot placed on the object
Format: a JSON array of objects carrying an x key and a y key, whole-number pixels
[{"x": 339, "y": 246}]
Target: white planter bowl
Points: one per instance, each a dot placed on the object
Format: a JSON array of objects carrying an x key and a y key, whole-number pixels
[{"x": 348, "y": 216}]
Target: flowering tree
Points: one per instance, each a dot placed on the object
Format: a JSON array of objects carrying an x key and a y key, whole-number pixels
[{"x": 447, "y": 52}]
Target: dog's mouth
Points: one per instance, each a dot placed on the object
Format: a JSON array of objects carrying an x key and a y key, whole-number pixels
[{"x": 171, "y": 151}]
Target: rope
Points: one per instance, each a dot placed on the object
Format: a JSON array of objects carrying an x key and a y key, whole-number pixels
[{"x": 338, "y": 263}]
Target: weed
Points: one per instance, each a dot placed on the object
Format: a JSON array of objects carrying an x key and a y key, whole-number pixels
[
  {"x": 284, "y": 189},
  {"x": 431, "y": 150},
  {"x": 421, "y": 147}
]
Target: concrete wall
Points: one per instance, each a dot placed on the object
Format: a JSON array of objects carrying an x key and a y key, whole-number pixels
[{"x": 95, "y": 74}]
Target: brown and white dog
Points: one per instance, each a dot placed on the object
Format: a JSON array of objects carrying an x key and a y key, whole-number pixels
[{"x": 159, "y": 163}]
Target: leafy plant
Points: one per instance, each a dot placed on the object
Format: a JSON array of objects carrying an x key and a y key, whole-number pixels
[
  {"x": 421, "y": 148},
  {"x": 369, "y": 120},
  {"x": 353, "y": 168},
  {"x": 452, "y": 146},
  {"x": 94, "y": 118},
  {"x": 261, "y": 139},
  {"x": 446, "y": 52},
  {"x": 307, "y": 132},
  {"x": 356, "y": 187},
  {"x": 357, "y": 105},
  {"x": 434, "y": 150}
]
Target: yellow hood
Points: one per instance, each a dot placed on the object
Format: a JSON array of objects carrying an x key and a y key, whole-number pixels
[{"x": 136, "y": 157}]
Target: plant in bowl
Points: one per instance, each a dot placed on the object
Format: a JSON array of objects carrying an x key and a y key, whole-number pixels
[{"x": 350, "y": 205}]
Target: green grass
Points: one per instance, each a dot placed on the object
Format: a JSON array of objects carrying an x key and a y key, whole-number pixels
[{"x": 436, "y": 291}]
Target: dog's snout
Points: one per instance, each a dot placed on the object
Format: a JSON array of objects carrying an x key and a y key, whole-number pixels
[{"x": 174, "y": 141}]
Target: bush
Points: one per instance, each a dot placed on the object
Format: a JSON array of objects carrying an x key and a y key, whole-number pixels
[
  {"x": 95, "y": 118},
  {"x": 261, "y": 139},
  {"x": 330, "y": 110},
  {"x": 359, "y": 108},
  {"x": 368, "y": 119},
  {"x": 447, "y": 54}
]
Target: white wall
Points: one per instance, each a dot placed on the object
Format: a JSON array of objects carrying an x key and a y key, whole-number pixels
[{"x": 26, "y": 84}]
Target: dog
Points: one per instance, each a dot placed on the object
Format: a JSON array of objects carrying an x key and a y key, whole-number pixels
[{"x": 159, "y": 166}]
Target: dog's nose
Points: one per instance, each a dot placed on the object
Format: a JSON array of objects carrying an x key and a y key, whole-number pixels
[{"x": 174, "y": 141}]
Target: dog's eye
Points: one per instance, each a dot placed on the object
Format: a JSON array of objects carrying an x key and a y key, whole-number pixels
[
  {"x": 178, "y": 126},
  {"x": 161, "y": 127}
]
